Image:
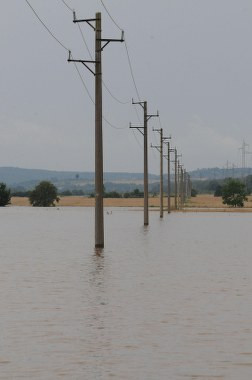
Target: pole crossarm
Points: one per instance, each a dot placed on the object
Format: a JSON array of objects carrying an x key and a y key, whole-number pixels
[
  {"x": 84, "y": 62},
  {"x": 150, "y": 116},
  {"x": 165, "y": 140},
  {"x": 140, "y": 103},
  {"x": 108, "y": 40},
  {"x": 87, "y": 20},
  {"x": 158, "y": 147},
  {"x": 132, "y": 126}
]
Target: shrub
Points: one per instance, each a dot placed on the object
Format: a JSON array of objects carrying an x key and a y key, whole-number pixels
[{"x": 5, "y": 195}]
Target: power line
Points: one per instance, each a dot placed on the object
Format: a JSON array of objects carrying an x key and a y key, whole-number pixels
[
  {"x": 44, "y": 25},
  {"x": 113, "y": 96},
  {"x": 83, "y": 83},
  {"x": 85, "y": 42},
  {"x": 112, "y": 125},
  {"x": 135, "y": 108},
  {"x": 76, "y": 67},
  {"x": 91, "y": 57},
  {"x": 138, "y": 143},
  {"x": 126, "y": 48},
  {"x": 55, "y": 38},
  {"x": 131, "y": 70},
  {"x": 64, "y": 2},
  {"x": 113, "y": 20},
  {"x": 92, "y": 100}
]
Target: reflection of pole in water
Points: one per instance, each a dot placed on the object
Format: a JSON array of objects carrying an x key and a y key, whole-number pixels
[{"x": 97, "y": 313}]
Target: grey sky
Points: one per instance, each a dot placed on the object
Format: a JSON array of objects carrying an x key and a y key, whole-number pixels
[{"x": 192, "y": 61}]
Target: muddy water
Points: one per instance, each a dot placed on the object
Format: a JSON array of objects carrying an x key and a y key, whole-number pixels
[{"x": 172, "y": 302}]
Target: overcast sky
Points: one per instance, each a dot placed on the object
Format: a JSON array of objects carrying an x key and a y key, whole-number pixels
[{"x": 192, "y": 60}]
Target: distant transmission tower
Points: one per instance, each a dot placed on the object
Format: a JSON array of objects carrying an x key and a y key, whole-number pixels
[{"x": 244, "y": 153}]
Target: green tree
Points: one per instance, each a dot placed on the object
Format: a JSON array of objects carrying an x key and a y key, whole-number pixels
[
  {"x": 44, "y": 195},
  {"x": 5, "y": 195},
  {"x": 234, "y": 193}
]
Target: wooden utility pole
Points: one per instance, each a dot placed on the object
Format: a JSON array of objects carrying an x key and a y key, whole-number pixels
[
  {"x": 145, "y": 135},
  {"x": 99, "y": 213}
]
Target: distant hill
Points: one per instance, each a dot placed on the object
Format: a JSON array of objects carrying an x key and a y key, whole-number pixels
[
  {"x": 27, "y": 178},
  {"x": 219, "y": 173}
]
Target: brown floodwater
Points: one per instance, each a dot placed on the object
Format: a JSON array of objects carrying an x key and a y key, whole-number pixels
[{"x": 172, "y": 301}]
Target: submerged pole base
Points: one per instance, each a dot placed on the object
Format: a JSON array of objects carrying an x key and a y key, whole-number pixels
[{"x": 99, "y": 245}]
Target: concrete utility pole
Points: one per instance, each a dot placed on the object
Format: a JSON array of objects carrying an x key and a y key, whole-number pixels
[
  {"x": 176, "y": 178},
  {"x": 160, "y": 149},
  {"x": 168, "y": 157},
  {"x": 181, "y": 183},
  {"x": 178, "y": 186},
  {"x": 184, "y": 187},
  {"x": 168, "y": 178},
  {"x": 99, "y": 214},
  {"x": 145, "y": 135}
]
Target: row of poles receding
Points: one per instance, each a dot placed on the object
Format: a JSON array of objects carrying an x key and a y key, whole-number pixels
[{"x": 182, "y": 183}]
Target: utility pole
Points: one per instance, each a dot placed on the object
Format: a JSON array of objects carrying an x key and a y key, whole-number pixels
[
  {"x": 168, "y": 156},
  {"x": 161, "y": 175},
  {"x": 179, "y": 185},
  {"x": 185, "y": 187},
  {"x": 100, "y": 44},
  {"x": 176, "y": 177},
  {"x": 176, "y": 180},
  {"x": 244, "y": 153},
  {"x": 168, "y": 178},
  {"x": 160, "y": 149},
  {"x": 181, "y": 181},
  {"x": 145, "y": 135}
]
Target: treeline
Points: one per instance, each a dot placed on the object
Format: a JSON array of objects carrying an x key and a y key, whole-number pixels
[
  {"x": 114, "y": 194},
  {"x": 214, "y": 186},
  {"x": 19, "y": 193}
]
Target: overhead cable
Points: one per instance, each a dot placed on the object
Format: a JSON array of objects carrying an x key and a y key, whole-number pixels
[
  {"x": 64, "y": 2},
  {"x": 126, "y": 48},
  {"x": 44, "y": 25}
]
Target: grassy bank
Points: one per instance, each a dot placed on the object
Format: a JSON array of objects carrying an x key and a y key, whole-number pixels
[{"x": 204, "y": 202}]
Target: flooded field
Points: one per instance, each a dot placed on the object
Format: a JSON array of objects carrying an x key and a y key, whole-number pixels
[{"x": 169, "y": 302}]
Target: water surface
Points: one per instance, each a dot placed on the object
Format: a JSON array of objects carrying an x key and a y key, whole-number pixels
[{"x": 172, "y": 301}]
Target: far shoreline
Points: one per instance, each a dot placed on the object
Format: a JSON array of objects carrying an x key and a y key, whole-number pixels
[{"x": 201, "y": 203}]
